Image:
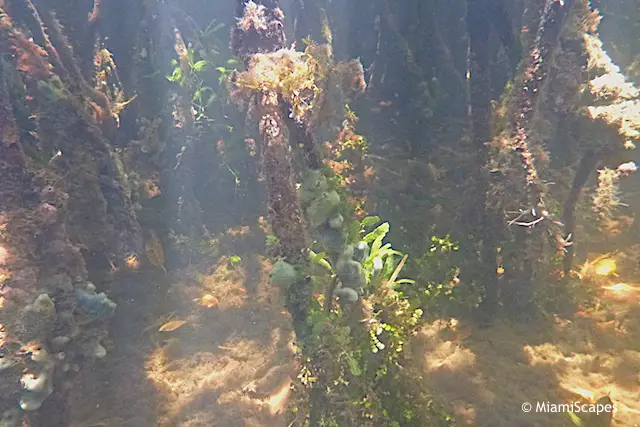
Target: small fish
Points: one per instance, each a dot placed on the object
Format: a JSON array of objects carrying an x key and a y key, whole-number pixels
[
  {"x": 155, "y": 252},
  {"x": 55, "y": 156},
  {"x": 172, "y": 325},
  {"x": 208, "y": 301},
  {"x": 628, "y": 167}
]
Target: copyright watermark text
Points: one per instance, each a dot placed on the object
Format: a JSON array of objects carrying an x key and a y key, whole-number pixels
[{"x": 575, "y": 407}]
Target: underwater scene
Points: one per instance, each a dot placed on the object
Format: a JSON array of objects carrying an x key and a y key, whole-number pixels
[{"x": 319, "y": 213}]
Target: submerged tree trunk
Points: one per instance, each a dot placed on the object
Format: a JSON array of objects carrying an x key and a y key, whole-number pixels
[
  {"x": 587, "y": 165},
  {"x": 66, "y": 208},
  {"x": 522, "y": 139},
  {"x": 283, "y": 206},
  {"x": 479, "y": 26}
]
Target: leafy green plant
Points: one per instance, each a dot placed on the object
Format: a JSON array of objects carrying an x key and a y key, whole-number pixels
[
  {"x": 321, "y": 260},
  {"x": 206, "y": 40},
  {"x": 271, "y": 240},
  {"x": 189, "y": 75},
  {"x": 209, "y": 47},
  {"x": 234, "y": 261},
  {"x": 368, "y": 222},
  {"x": 381, "y": 260},
  {"x": 356, "y": 367},
  {"x": 186, "y": 76},
  {"x": 439, "y": 290},
  {"x": 192, "y": 72}
]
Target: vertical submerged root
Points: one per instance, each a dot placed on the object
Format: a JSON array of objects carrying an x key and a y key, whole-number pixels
[{"x": 260, "y": 30}]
